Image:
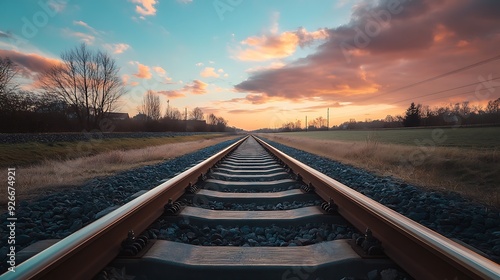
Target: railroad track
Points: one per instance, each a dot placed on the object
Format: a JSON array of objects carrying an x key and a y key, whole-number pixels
[{"x": 247, "y": 212}]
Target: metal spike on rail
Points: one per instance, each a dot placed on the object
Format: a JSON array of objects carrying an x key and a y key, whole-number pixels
[
  {"x": 307, "y": 188},
  {"x": 191, "y": 189},
  {"x": 172, "y": 208},
  {"x": 330, "y": 207},
  {"x": 132, "y": 245},
  {"x": 370, "y": 245}
]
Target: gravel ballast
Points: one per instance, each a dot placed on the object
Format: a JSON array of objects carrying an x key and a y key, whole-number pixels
[
  {"x": 63, "y": 212},
  {"x": 446, "y": 213},
  {"x": 248, "y": 236}
]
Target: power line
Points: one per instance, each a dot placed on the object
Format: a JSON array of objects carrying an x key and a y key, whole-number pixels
[
  {"x": 457, "y": 94},
  {"x": 433, "y": 93},
  {"x": 441, "y": 91},
  {"x": 440, "y": 76}
]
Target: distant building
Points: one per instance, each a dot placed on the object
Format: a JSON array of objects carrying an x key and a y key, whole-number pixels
[
  {"x": 196, "y": 125},
  {"x": 117, "y": 116},
  {"x": 140, "y": 117}
]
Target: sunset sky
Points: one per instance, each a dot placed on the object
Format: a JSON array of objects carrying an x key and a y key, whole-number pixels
[{"x": 263, "y": 63}]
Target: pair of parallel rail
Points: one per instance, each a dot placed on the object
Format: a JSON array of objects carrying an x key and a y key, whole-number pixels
[{"x": 421, "y": 252}]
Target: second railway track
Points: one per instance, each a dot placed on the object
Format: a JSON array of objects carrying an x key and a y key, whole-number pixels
[{"x": 252, "y": 212}]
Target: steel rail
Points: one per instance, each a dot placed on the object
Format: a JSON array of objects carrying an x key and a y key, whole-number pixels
[
  {"x": 84, "y": 253},
  {"x": 422, "y": 252}
]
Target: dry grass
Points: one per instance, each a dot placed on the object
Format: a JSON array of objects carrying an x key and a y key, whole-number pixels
[
  {"x": 56, "y": 174},
  {"x": 472, "y": 173},
  {"x": 26, "y": 154}
]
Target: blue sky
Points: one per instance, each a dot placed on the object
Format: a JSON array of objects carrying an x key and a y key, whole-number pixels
[{"x": 217, "y": 54}]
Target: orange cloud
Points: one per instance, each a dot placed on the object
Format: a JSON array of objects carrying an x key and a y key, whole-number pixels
[
  {"x": 271, "y": 46},
  {"x": 143, "y": 71},
  {"x": 209, "y": 72},
  {"x": 197, "y": 87},
  {"x": 172, "y": 93},
  {"x": 145, "y": 7}
]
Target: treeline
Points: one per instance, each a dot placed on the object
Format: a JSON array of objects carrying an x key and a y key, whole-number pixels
[
  {"x": 462, "y": 114},
  {"x": 81, "y": 93},
  {"x": 30, "y": 112},
  {"x": 416, "y": 115},
  {"x": 150, "y": 118}
]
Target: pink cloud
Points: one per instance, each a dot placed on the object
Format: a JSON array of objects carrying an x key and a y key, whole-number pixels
[
  {"x": 84, "y": 37},
  {"x": 117, "y": 48},
  {"x": 159, "y": 70},
  {"x": 31, "y": 63},
  {"x": 383, "y": 48},
  {"x": 196, "y": 87}
]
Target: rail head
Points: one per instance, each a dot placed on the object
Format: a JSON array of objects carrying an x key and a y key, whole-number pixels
[
  {"x": 422, "y": 252},
  {"x": 87, "y": 251}
]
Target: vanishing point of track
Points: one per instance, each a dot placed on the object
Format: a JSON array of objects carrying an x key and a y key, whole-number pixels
[{"x": 251, "y": 170}]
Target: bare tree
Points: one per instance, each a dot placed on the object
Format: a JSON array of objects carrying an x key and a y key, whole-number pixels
[
  {"x": 8, "y": 70},
  {"x": 318, "y": 122},
  {"x": 221, "y": 122},
  {"x": 175, "y": 114},
  {"x": 212, "y": 119},
  {"x": 151, "y": 106},
  {"x": 196, "y": 114},
  {"x": 88, "y": 81},
  {"x": 493, "y": 106}
]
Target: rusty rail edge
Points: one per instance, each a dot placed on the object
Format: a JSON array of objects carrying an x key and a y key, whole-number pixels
[
  {"x": 87, "y": 251},
  {"x": 422, "y": 252}
]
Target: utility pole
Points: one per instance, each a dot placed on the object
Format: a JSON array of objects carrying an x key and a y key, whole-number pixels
[
  {"x": 328, "y": 119},
  {"x": 168, "y": 108},
  {"x": 186, "y": 114},
  {"x": 306, "y": 124}
]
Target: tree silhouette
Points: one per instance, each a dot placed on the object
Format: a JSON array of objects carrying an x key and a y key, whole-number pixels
[
  {"x": 86, "y": 80},
  {"x": 412, "y": 116}
]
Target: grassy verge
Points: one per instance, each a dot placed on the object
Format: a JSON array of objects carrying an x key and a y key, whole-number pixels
[
  {"x": 56, "y": 174},
  {"x": 25, "y": 154},
  {"x": 474, "y": 137},
  {"x": 474, "y": 173}
]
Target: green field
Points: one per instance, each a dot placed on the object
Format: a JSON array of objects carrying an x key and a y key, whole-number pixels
[{"x": 477, "y": 137}]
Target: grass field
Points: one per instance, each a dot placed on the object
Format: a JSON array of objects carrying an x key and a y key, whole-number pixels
[
  {"x": 477, "y": 137},
  {"x": 111, "y": 156},
  {"x": 463, "y": 160},
  {"x": 30, "y": 153}
]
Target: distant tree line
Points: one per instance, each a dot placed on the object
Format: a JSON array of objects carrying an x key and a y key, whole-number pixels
[
  {"x": 81, "y": 93},
  {"x": 150, "y": 118},
  {"x": 416, "y": 115}
]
